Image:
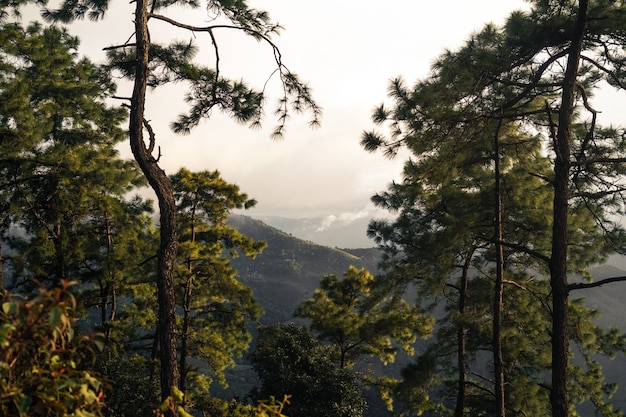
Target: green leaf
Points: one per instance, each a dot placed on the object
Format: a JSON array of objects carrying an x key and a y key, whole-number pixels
[
  {"x": 4, "y": 332},
  {"x": 89, "y": 396},
  {"x": 9, "y": 307},
  {"x": 177, "y": 394},
  {"x": 165, "y": 405},
  {"x": 56, "y": 315},
  {"x": 182, "y": 412},
  {"x": 23, "y": 402}
]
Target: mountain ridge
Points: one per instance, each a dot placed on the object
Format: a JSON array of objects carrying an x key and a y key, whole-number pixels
[{"x": 290, "y": 269}]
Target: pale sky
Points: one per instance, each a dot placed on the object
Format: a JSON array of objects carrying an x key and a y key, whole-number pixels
[{"x": 347, "y": 51}]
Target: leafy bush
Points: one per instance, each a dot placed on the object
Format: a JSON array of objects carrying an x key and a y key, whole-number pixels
[{"x": 45, "y": 366}]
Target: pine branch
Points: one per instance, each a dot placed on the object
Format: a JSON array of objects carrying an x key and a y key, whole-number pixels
[
  {"x": 607, "y": 71},
  {"x": 535, "y": 80},
  {"x": 585, "y": 285}
]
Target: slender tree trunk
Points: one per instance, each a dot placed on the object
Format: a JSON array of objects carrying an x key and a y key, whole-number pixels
[
  {"x": 109, "y": 288},
  {"x": 559, "y": 395},
  {"x": 59, "y": 252},
  {"x": 461, "y": 395},
  {"x": 160, "y": 183},
  {"x": 184, "y": 337},
  {"x": 498, "y": 360},
  {"x": 1, "y": 269}
]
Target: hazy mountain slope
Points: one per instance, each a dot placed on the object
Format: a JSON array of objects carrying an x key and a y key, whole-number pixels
[{"x": 289, "y": 269}]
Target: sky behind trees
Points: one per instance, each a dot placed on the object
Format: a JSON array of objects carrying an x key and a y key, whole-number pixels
[{"x": 347, "y": 52}]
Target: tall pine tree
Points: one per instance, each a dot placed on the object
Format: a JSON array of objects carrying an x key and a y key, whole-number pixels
[
  {"x": 527, "y": 73},
  {"x": 149, "y": 64}
]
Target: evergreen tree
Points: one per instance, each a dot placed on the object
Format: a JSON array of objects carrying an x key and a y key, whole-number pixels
[
  {"x": 516, "y": 75},
  {"x": 217, "y": 308},
  {"x": 290, "y": 361},
  {"x": 64, "y": 181},
  {"x": 151, "y": 64},
  {"x": 66, "y": 189},
  {"x": 356, "y": 322}
]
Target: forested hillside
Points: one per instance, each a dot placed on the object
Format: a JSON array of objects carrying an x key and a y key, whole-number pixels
[{"x": 289, "y": 270}]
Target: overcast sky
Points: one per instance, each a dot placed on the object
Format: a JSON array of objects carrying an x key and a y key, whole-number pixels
[{"x": 347, "y": 51}]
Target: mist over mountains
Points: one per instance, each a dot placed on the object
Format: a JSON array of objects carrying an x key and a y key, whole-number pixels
[{"x": 347, "y": 230}]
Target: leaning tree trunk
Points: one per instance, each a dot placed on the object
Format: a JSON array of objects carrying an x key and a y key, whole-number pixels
[
  {"x": 159, "y": 181},
  {"x": 559, "y": 395}
]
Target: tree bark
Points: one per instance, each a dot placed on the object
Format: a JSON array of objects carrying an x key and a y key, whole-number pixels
[
  {"x": 184, "y": 337},
  {"x": 159, "y": 181},
  {"x": 461, "y": 395},
  {"x": 498, "y": 360},
  {"x": 559, "y": 395},
  {"x": 1, "y": 269}
]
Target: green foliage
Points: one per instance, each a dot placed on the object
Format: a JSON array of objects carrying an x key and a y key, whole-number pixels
[
  {"x": 501, "y": 87},
  {"x": 207, "y": 89},
  {"x": 272, "y": 408},
  {"x": 357, "y": 322},
  {"x": 46, "y": 367},
  {"x": 217, "y": 308},
  {"x": 64, "y": 181},
  {"x": 290, "y": 361},
  {"x": 221, "y": 408},
  {"x": 133, "y": 391}
]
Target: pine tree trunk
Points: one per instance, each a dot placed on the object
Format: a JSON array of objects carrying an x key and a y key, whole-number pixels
[
  {"x": 461, "y": 395},
  {"x": 160, "y": 183},
  {"x": 184, "y": 337},
  {"x": 559, "y": 396},
  {"x": 1, "y": 269},
  {"x": 498, "y": 360}
]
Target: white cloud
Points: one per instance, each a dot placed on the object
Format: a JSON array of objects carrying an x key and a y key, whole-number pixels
[
  {"x": 327, "y": 222},
  {"x": 346, "y": 218}
]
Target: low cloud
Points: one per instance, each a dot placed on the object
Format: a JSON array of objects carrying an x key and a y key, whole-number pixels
[
  {"x": 327, "y": 222},
  {"x": 344, "y": 219}
]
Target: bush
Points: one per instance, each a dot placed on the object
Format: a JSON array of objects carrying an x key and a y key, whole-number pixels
[{"x": 45, "y": 366}]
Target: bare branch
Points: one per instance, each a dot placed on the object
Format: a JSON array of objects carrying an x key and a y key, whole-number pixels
[
  {"x": 152, "y": 137},
  {"x": 584, "y": 285},
  {"x": 122, "y": 46},
  {"x": 534, "y": 83}
]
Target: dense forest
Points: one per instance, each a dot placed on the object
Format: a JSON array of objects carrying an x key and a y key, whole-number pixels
[{"x": 116, "y": 305}]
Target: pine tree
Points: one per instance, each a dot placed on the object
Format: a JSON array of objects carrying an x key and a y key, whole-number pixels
[
  {"x": 151, "y": 64},
  {"x": 217, "y": 308},
  {"x": 63, "y": 176},
  {"x": 515, "y": 74}
]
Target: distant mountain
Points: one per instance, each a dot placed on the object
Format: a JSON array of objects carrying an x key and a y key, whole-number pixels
[{"x": 289, "y": 270}]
